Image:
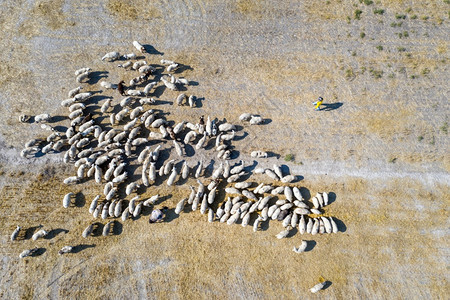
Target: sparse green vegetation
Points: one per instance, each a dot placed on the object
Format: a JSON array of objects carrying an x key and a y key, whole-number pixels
[
  {"x": 401, "y": 49},
  {"x": 362, "y": 35},
  {"x": 425, "y": 18},
  {"x": 363, "y": 70},
  {"x": 399, "y": 24},
  {"x": 392, "y": 75},
  {"x": 348, "y": 20},
  {"x": 354, "y": 53},
  {"x": 349, "y": 73},
  {"x": 289, "y": 157},
  {"x": 367, "y": 2},
  {"x": 413, "y": 76},
  {"x": 425, "y": 71},
  {"x": 403, "y": 34},
  {"x": 378, "y": 11},
  {"x": 358, "y": 13},
  {"x": 447, "y": 1},
  {"x": 392, "y": 159},
  {"x": 380, "y": 48},
  {"x": 420, "y": 138},
  {"x": 444, "y": 128},
  {"x": 400, "y": 17},
  {"x": 413, "y": 17},
  {"x": 408, "y": 10},
  {"x": 432, "y": 141},
  {"x": 377, "y": 74}
]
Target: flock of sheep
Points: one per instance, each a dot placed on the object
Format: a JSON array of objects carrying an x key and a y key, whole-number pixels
[{"x": 137, "y": 134}]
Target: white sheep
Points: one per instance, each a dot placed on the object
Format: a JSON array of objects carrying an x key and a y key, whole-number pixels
[
  {"x": 167, "y": 62},
  {"x": 15, "y": 233},
  {"x": 42, "y": 118},
  {"x": 259, "y": 154},
  {"x": 135, "y": 93},
  {"x": 81, "y": 71},
  {"x": 129, "y": 56},
  {"x": 28, "y": 252},
  {"x": 125, "y": 65},
  {"x": 82, "y": 77},
  {"x": 172, "y": 67},
  {"x": 191, "y": 101},
  {"x": 65, "y": 249},
  {"x": 172, "y": 176},
  {"x": 41, "y": 233},
  {"x": 111, "y": 56},
  {"x": 87, "y": 232},
  {"x": 139, "y": 64},
  {"x": 245, "y": 117},
  {"x": 256, "y": 120},
  {"x": 146, "y": 69},
  {"x": 82, "y": 96},
  {"x": 317, "y": 287},
  {"x": 149, "y": 87},
  {"x": 301, "y": 248},
  {"x": 76, "y": 90},
  {"x": 139, "y": 47},
  {"x": 108, "y": 85}
]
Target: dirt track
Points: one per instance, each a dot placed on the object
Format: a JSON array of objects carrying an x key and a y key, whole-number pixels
[{"x": 381, "y": 147}]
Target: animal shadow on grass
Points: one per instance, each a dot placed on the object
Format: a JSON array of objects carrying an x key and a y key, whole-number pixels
[
  {"x": 56, "y": 119},
  {"x": 159, "y": 91},
  {"x": 189, "y": 150},
  {"x": 38, "y": 252},
  {"x": 81, "y": 247},
  {"x": 241, "y": 137},
  {"x": 170, "y": 215},
  {"x": 30, "y": 231},
  {"x": 341, "y": 226},
  {"x": 266, "y": 121},
  {"x": 327, "y": 284},
  {"x": 310, "y": 245},
  {"x": 273, "y": 154},
  {"x": 54, "y": 232},
  {"x": 60, "y": 128},
  {"x": 117, "y": 227},
  {"x": 292, "y": 232},
  {"x": 98, "y": 229},
  {"x": 152, "y": 50},
  {"x": 305, "y": 193},
  {"x": 331, "y": 106},
  {"x": 95, "y": 76},
  {"x": 199, "y": 102},
  {"x": 80, "y": 200},
  {"x": 331, "y": 197},
  {"x": 182, "y": 68},
  {"x": 264, "y": 225}
]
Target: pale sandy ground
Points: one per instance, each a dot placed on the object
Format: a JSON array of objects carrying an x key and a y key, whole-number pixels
[{"x": 383, "y": 152}]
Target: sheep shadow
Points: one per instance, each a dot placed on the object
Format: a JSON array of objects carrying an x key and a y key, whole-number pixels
[
  {"x": 170, "y": 215},
  {"x": 331, "y": 106},
  {"x": 81, "y": 247},
  {"x": 292, "y": 232},
  {"x": 199, "y": 102},
  {"x": 158, "y": 91},
  {"x": 331, "y": 197},
  {"x": 340, "y": 225},
  {"x": 305, "y": 193},
  {"x": 182, "y": 68},
  {"x": 98, "y": 229},
  {"x": 241, "y": 137},
  {"x": 310, "y": 245},
  {"x": 193, "y": 83},
  {"x": 327, "y": 284},
  {"x": 152, "y": 50},
  {"x": 38, "y": 252},
  {"x": 117, "y": 228},
  {"x": 30, "y": 231},
  {"x": 80, "y": 200},
  {"x": 95, "y": 76},
  {"x": 54, "y": 232},
  {"x": 273, "y": 154},
  {"x": 56, "y": 119}
]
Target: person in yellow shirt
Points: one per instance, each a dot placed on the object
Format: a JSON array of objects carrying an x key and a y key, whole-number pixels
[{"x": 318, "y": 103}]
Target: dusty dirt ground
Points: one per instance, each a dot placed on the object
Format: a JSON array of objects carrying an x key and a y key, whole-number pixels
[{"x": 381, "y": 147}]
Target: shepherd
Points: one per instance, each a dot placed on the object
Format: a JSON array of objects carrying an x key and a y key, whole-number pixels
[{"x": 318, "y": 103}]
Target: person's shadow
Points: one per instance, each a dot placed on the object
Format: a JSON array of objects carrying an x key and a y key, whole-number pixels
[{"x": 331, "y": 106}]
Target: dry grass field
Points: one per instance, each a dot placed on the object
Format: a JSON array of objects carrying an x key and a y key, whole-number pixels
[{"x": 381, "y": 146}]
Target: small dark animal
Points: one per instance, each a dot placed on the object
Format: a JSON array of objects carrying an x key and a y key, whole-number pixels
[{"x": 120, "y": 88}]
